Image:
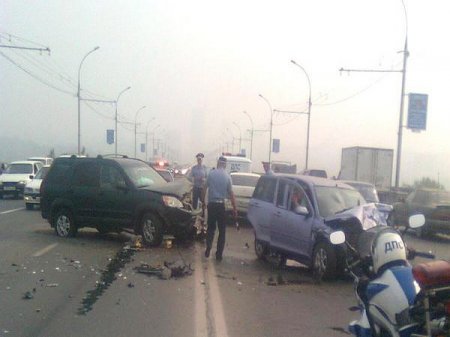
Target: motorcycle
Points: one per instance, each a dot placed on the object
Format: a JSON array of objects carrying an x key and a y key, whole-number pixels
[{"x": 395, "y": 299}]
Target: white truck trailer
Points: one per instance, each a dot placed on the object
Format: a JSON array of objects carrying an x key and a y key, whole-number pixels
[{"x": 368, "y": 164}]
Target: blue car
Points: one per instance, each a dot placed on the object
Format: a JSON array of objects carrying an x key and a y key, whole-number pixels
[{"x": 294, "y": 215}]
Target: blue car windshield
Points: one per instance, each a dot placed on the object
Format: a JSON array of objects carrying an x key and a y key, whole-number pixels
[{"x": 332, "y": 200}]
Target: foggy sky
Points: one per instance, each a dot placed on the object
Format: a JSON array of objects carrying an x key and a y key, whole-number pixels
[{"x": 197, "y": 65}]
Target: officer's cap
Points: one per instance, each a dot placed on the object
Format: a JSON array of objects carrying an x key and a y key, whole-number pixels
[{"x": 222, "y": 159}]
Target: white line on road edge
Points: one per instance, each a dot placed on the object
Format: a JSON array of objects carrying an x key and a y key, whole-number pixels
[
  {"x": 12, "y": 210},
  {"x": 201, "y": 325},
  {"x": 209, "y": 314},
  {"x": 44, "y": 250},
  {"x": 216, "y": 301}
]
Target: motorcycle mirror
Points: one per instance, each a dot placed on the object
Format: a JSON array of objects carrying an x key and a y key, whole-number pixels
[
  {"x": 338, "y": 237},
  {"x": 416, "y": 221}
]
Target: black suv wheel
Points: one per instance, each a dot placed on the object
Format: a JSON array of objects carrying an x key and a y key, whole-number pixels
[
  {"x": 151, "y": 230},
  {"x": 65, "y": 224}
]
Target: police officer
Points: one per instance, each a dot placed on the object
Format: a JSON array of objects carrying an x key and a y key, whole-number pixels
[
  {"x": 198, "y": 177},
  {"x": 219, "y": 188},
  {"x": 268, "y": 171}
]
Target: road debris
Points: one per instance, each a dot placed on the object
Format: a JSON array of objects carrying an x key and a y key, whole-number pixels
[
  {"x": 246, "y": 246},
  {"x": 28, "y": 295},
  {"x": 52, "y": 285},
  {"x": 130, "y": 285},
  {"x": 339, "y": 329},
  {"x": 169, "y": 270},
  {"x": 107, "y": 277}
]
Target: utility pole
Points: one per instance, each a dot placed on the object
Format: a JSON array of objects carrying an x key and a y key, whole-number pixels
[
  {"x": 402, "y": 99},
  {"x": 251, "y": 133},
  {"x": 271, "y": 124},
  {"x": 135, "y": 128},
  {"x": 309, "y": 112},
  {"x": 79, "y": 97},
  {"x": 402, "y": 96}
]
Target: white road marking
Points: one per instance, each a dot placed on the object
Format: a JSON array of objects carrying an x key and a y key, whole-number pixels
[
  {"x": 12, "y": 210},
  {"x": 201, "y": 325},
  {"x": 216, "y": 301},
  {"x": 45, "y": 250},
  {"x": 209, "y": 314}
]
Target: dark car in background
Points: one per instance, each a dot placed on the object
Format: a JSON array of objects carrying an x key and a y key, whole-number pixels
[
  {"x": 434, "y": 204},
  {"x": 315, "y": 173},
  {"x": 111, "y": 194},
  {"x": 294, "y": 215}
]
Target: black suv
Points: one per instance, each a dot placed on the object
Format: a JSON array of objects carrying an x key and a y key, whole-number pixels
[{"x": 111, "y": 194}]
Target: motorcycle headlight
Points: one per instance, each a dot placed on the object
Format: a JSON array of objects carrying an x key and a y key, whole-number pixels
[{"x": 172, "y": 201}]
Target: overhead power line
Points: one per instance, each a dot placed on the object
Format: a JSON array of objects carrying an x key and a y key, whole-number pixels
[{"x": 37, "y": 77}]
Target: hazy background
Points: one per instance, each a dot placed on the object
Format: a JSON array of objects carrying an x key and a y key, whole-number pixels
[{"x": 197, "y": 65}]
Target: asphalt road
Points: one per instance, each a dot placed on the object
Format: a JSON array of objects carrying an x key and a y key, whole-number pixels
[{"x": 88, "y": 286}]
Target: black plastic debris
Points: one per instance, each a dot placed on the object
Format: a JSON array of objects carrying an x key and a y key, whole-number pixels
[
  {"x": 130, "y": 285},
  {"x": 28, "y": 295},
  {"x": 247, "y": 246},
  {"x": 169, "y": 270}
]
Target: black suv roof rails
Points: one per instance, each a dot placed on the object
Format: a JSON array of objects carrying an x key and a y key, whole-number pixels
[{"x": 112, "y": 155}]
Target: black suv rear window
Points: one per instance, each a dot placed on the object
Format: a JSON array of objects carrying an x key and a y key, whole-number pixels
[{"x": 59, "y": 173}]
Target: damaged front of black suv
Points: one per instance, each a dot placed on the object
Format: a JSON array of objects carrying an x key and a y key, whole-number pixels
[{"x": 174, "y": 211}]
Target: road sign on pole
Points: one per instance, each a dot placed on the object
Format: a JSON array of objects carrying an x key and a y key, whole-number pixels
[
  {"x": 142, "y": 147},
  {"x": 110, "y": 136},
  {"x": 275, "y": 145},
  {"x": 417, "y": 112}
]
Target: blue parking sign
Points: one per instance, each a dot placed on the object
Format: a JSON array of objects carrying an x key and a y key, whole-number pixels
[
  {"x": 417, "y": 111},
  {"x": 110, "y": 136},
  {"x": 275, "y": 145}
]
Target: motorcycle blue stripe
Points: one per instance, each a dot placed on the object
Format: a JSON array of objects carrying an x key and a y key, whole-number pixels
[
  {"x": 374, "y": 289},
  {"x": 406, "y": 280}
]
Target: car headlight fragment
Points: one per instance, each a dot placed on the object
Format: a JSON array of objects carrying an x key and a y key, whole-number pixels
[{"x": 172, "y": 201}]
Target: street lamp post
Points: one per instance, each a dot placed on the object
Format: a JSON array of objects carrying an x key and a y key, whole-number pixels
[
  {"x": 146, "y": 138},
  {"x": 153, "y": 147},
  {"x": 271, "y": 124},
  {"x": 117, "y": 102},
  {"x": 309, "y": 113},
  {"x": 251, "y": 133},
  {"x": 232, "y": 140},
  {"x": 79, "y": 98},
  {"x": 135, "y": 128},
  {"x": 240, "y": 136}
]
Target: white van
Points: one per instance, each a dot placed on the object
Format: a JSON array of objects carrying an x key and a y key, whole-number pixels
[
  {"x": 238, "y": 164},
  {"x": 44, "y": 160}
]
